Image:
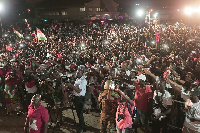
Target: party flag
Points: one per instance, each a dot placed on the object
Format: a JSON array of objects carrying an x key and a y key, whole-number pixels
[
  {"x": 40, "y": 35},
  {"x": 17, "y": 33}
]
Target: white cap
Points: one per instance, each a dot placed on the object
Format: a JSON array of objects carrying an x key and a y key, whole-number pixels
[{"x": 142, "y": 77}]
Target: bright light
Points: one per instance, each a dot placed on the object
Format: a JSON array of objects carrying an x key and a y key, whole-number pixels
[
  {"x": 106, "y": 42},
  {"x": 1, "y": 7},
  {"x": 198, "y": 9},
  {"x": 153, "y": 42},
  {"x": 138, "y": 60},
  {"x": 21, "y": 45},
  {"x": 155, "y": 15},
  {"x": 188, "y": 10},
  {"x": 140, "y": 12},
  {"x": 165, "y": 46},
  {"x": 83, "y": 45},
  {"x": 137, "y": 4}
]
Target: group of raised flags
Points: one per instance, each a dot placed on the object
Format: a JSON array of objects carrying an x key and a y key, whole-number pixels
[{"x": 40, "y": 35}]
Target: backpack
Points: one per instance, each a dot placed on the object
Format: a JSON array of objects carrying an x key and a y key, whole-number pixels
[{"x": 133, "y": 114}]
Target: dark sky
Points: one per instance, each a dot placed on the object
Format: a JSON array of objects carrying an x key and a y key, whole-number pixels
[
  {"x": 15, "y": 5},
  {"x": 128, "y": 3}
]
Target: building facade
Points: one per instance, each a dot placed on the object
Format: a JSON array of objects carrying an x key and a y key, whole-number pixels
[{"x": 74, "y": 10}]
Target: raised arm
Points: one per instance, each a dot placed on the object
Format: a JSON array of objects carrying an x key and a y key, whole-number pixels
[
  {"x": 174, "y": 73},
  {"x": 73, "y": 87},
  {"x": 149, "y": 73},
  {"x": 152, "y": 57},
  {"x": 131, "y": 102}
]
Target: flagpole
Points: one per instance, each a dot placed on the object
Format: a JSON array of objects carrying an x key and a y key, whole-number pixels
[{"x": 36, "y": 35}]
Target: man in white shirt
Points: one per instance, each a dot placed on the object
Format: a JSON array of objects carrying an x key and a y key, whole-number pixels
[
  {"x": 192, "y": 119},
  {"x": 79, "y": 92}
]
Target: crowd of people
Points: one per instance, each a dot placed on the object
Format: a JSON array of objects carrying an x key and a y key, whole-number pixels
[{"x": 135, "y": 75}]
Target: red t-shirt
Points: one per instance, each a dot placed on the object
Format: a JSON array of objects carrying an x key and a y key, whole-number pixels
[
  {"x": 141, "y": 96},
  {"x": 37, "y": 118}
]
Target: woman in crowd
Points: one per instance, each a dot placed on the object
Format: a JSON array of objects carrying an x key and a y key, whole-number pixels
[{"x": 124, "y": 114}]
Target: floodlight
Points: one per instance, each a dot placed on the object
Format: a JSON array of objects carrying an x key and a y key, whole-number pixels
[
  {"x": 140, "y": 12},
  {"x": 155, "y": 15},
  {"x": 188, "y": 10},
  {"x": 1, "y": 7}
]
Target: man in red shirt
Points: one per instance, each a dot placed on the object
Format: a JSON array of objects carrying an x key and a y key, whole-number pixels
[
  {"x": 37, "y": 118},
  {"x": 143, "y": 95}
]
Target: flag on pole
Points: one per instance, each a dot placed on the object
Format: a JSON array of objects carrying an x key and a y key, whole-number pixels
[
  {"x": 27, "y": 24},
  {"x": 17, "y": 33},
  {"x": 40, "y": 35}
]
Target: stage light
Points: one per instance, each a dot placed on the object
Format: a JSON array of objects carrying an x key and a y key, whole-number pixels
[
  {"x": 155, "y": 15},
  {"x": 1, "y": 7},
  {"x": 188, "y": 10},
  {"x": 140, "y": 12}
]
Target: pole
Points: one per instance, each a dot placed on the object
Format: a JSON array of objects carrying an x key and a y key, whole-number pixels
[{"x": 149, "y": 20}]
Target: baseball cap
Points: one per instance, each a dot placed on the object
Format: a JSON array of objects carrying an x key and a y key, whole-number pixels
[{"x": 142, "y": 77}]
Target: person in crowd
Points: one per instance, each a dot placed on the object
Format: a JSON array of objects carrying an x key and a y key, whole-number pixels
[
  {"x": 2, "y": 82},
  {"x": 125, "y": 110},
  {"x": 143, "y": 99},
  {"x": 79, "y": 88},
  {"x": 10, "y": 91},
  {"x": 57, "y": 95},
  {"x": 37, "y": 118},
  {"x": 191, "y": 98},
  {"x": 192, "y": 118},
  {"x": 161, "y": 107},
  {"x": 117, "y": 50},
  {"x": 30, "y": 85},
  {"x": 108, "y": 107}
]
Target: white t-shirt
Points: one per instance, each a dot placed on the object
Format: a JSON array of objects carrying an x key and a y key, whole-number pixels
[
  {"x": 167, "y": 85},
  {"x": 167, "y": 100},
  {"x": 195, "y": 112},
  {"x": 81, "y": 84}
]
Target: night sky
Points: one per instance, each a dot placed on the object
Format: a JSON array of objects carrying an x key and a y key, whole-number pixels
[
  {"x": 14, "y": 7},
  {"x": 123, "y": 3}
]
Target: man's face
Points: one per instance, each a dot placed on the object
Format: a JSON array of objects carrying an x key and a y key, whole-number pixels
[
  {"x": 35, "y": 101},
  {"x": 79, "y": 73},
  {"x": 188, "y": 77}
]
